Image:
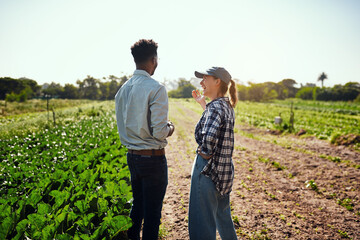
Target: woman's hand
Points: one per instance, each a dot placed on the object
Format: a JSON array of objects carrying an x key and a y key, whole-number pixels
[{"x": 199, "y": 98}]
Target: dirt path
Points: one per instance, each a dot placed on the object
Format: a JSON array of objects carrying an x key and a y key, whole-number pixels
[{"x": 270, "y": 199}]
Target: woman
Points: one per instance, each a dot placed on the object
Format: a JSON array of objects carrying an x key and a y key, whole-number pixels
[{"x": 213, "y": 170}]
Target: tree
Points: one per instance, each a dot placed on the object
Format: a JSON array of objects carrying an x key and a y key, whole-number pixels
[
  {"x": 288, "y": 82},
  {"x": 274, "y": 90},
  {"x": 89, "y": 88},
  {"x": 290, "y": 90},
  {"x": 70, "y": 92},
  {"x": 255, "y": 91},
  {"x": 357, "y": 99},
  {"x": 115, "y": 84},
  {"x": 12, "y": 97},
  {"x": 32, "y": 84},
  {"x": 53, "y": 89},
  {"x": 321, "y": 78},
  {"x": 184, "y": 89},
  {"x": 242, "y": 92},
  {"x": 305, "y": 93},
  {"x": 26, "y": 86},
  {"x": 347, "y": 92},
  {"x": 113, "y": 88},
  {"x": 104, "y": 89}
]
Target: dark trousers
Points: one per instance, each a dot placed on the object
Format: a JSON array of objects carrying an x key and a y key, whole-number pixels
[{"x": 149, "y": 179}]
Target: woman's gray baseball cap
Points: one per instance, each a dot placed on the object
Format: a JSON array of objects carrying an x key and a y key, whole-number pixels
[{"x": 218, "y": 72}]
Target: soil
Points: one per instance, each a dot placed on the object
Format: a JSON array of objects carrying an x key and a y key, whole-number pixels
[{"x": 273, "y": 196}]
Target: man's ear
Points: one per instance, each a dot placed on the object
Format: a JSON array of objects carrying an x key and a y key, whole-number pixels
[{"x": 154, "y": 60}]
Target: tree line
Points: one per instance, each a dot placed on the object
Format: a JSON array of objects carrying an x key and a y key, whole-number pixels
[
  {"x": 347, "y": 92},
  {"x": 89, "y": 88},
  {"x": 262, "y": 92},
  {"x": 267, "y": 91},
  {"x": 105, "y": 89}
]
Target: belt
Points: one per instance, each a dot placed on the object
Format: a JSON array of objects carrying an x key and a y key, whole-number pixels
[{"x": 150, "y": 152}]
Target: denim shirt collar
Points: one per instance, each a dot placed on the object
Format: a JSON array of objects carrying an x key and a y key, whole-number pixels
[{"x": 141, "y": 72}]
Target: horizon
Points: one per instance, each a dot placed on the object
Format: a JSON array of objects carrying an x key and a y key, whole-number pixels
[{"x": 257, "y": 41}]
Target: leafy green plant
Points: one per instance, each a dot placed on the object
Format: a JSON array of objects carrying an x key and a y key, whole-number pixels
[
  {"x": 70, "y": 181},
  {"x": 163, "y": 231},
  {"x": 347, "y": 203},
  {"x": 264, "y": 160},
  {"x": 277, "y": 165},
  {"x": 325, "y": 120},
  {"x": 312, "y": 185},
  {"x": 236, "y": 220},
  {"x": 343, "y": 234}
]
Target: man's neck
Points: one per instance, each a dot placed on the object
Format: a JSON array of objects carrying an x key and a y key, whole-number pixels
[{"x": 144, "y": 68}]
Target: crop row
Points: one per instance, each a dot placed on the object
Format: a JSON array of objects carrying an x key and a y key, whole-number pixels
[
  {"x": 66, "y": 182},
  {"x": 349, "y": 108},
  {"x": 322, "y": 124},
  {"x": 321, "y": 119}
]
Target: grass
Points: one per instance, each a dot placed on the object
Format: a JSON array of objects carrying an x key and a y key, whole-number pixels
[
  {"x": 163, "y": 231},
  {"x": 39, "y": 105}
]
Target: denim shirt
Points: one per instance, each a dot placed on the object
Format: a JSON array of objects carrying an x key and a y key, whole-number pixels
[{"x": 141, "y": 107}]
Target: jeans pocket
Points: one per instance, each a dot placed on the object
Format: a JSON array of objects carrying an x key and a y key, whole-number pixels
[
  {"x": 200, "y": 163},
  {"x": 152, "y": 168}
]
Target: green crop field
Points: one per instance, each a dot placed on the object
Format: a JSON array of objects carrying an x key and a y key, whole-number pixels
[
  {"x": 39, "y": 105},
  {"x": 65, "y": 181},
  {"x": 69, "y": 180},
  {"x": 325, "y": 120}
]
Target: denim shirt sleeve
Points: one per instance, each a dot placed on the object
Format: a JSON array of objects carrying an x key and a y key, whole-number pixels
[
  {"x": 210, "y": 131},
  {"x": 158, "y": 114}
]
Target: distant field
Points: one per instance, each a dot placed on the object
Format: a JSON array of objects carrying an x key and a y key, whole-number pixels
[
  {"x": 322, "y": 119},
  {"x": 325, "y": 120},
  {"x": 39, "y": 105},
  {"x": 35, "y": 117},
  {"x": 350, "y": 108}
]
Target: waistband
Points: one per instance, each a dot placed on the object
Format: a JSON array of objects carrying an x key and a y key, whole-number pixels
[{"x": 148, "y": 152}]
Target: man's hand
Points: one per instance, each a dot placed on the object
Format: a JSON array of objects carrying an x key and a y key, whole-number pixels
[
  {"x": 199, "y": 98},
  {"x": 172, "y": 128}
]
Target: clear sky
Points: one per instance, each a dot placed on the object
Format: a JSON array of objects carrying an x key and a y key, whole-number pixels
[{"x": 258, "y": 40}]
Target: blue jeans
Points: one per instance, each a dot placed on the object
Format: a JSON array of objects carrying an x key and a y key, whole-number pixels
[
  {"x": 208, "y": 210},
  {"x": 149, "y": 179}
]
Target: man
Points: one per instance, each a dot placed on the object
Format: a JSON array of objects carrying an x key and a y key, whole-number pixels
[{"x": 141, "y": 106}]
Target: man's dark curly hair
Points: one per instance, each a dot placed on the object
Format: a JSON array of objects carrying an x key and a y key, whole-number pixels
[{"x": 143, "y": 50}]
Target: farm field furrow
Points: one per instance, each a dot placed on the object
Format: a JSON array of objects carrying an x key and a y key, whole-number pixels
[
  {"x": 293, "y": 190},
  {"x": 71, "y": 181}
]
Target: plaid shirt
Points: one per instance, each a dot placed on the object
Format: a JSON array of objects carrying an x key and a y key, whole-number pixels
[{"x": 215, "y": 135}]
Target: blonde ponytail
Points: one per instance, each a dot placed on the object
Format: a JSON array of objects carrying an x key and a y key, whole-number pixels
[
  {"x": 224, "y": 88},
  {"x": 233, "y": 94}
]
